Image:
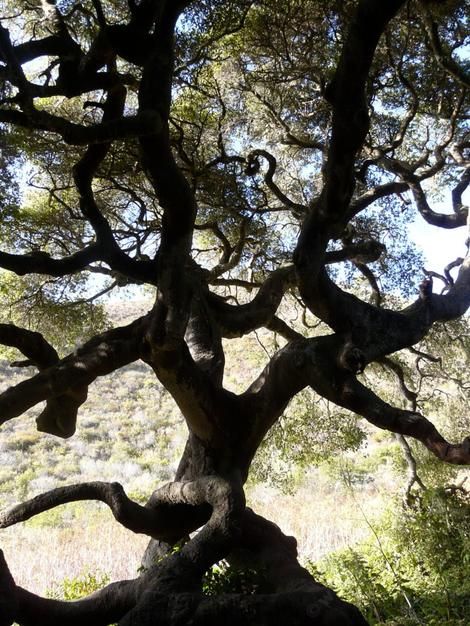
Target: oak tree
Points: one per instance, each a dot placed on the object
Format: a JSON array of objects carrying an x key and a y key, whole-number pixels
[{"x": 228, "y": 155}]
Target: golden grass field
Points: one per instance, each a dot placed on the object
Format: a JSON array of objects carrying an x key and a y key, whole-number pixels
[{"x": 41, "y": 553}]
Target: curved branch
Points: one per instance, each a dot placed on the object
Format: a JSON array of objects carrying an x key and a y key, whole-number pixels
[
  {"x": 173, "y": 191},
  {"x": 35, "y": 348},
  {"x": 459, "y": 189},
  {"x": 41, "y": 263},
  {"x": 54, "y": 45},
  {"x": 103, "y": 607},
  {"x": 328, "y": 365},
  {"x": 413, "y": 476},
  {"x": 236, "y": 321},
  {"x": 379, "y": 331},
  {"x": 350, "y": 124},
  {"x": 356, "y": 397},
  {"x": 178, "y": 572},
  {"x": 154, "y": 520},
  {"x": 369, "y": 275},
  {"x": 443, "y": 57},
  {"x": 83, "y": 173},
  {"x": 231, "y": 255},
  {"x": 372, "y": 195},
  {"x": 397, "y": 369},
  {"x": 253, "y": 166},
  {"x": 443, "y": 220},
  {"x": 346, "y": 93},
  {"x": 59, "y": 417},
  {"x": 70, "y": 376}
]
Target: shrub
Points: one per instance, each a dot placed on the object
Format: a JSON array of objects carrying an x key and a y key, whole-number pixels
[
  {"x": 414, "y": 568},
  {"x": 76, "y": 588}
]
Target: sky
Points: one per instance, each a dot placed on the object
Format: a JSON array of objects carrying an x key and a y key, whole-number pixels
[{"x": 440, "y": 246}]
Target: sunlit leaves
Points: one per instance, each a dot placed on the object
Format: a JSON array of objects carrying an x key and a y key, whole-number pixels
[{"x": 58, "y": 309}]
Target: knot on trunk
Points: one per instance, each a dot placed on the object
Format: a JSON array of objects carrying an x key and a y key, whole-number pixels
[{"x": 351, "y": 358}]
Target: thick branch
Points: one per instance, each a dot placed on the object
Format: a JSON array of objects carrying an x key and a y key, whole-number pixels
[
  {"x": 59, "y": 417},
  {"x": 205, "y": 405},
  {"x": 102, "y": 608},
  {"x": 347, "y": 94},
  {"x": 42, "y": 263},
  {"x": 144, "y": 123},
  {"x": 99, "y": 356},
  {"x": 378, "y": 331},
  {"x": 32, "y": 344},
  {"x": 154, "y": 519},
  {"x": 174, "y": 193},
  {"x": 357, "y": 398},
  {"x": 204, "y": 339},
  {"x": 236, "y": 321},
  {"x": 295, "y": 608},
  {"x": 443, "y": 220}
]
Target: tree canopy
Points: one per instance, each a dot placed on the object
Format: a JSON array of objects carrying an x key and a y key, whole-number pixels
[{"x": 246, "y": 162}]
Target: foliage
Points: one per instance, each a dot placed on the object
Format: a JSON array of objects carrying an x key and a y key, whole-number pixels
[
  {"x": 414, "y": 567},
  {"x": 75, "y": 588},
  {"x": 226, "y": 578},
  {"x": 293, "y": 445},
  {"x": 40, "y": 305}
]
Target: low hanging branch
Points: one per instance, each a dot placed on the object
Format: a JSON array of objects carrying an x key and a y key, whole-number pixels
[
  {"x": 69, "y": 377},
  {"x": 181, "y": 571},
  {"x": 154, "y": 519},
  {"x": 357, "y": 398}
]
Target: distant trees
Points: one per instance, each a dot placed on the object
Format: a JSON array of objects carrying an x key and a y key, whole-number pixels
[{"x": 230, "y": 156}]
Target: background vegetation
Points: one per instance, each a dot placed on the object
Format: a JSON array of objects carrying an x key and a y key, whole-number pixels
[{"x": 402, "y": 562}]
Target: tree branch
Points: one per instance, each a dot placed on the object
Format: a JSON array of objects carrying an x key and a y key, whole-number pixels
[
  {"x": 32, "y": 344},
  {"x": 70, "y": 376},
  {"x": 379, "y": 331},
  {"x": 350, "y": 124},
  {"x": 236, "y": 321},
  {"x": 42, "y": 263},
  {"x": 355, "y": 397},
  {"x": 443, "y": 57},
  {"x": 59, "y": 417},
  {"x": 443, "y": 220},
  {"x": 253, "y": 166},
  {"x": 145, "y": 123}
]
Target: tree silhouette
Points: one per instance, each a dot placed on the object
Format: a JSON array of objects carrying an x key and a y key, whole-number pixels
[{"x": 226, "y": 154}]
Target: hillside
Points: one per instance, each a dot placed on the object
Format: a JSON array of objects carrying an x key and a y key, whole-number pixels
[{"x": 130, "y": 431}]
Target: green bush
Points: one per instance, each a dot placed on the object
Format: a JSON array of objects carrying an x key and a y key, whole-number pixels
[
  {"x": 414, "y": 568},
  {"x": 224, "y": 578},
  {"x": 76, "y": 588}
]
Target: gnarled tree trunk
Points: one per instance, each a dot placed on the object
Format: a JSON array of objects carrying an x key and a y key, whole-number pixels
[{"x": 138, "y": 197}]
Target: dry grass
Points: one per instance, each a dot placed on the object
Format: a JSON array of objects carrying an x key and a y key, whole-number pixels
[
  {"x": 322, "y": 521},
  {"x": 41, "y": 556}
]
